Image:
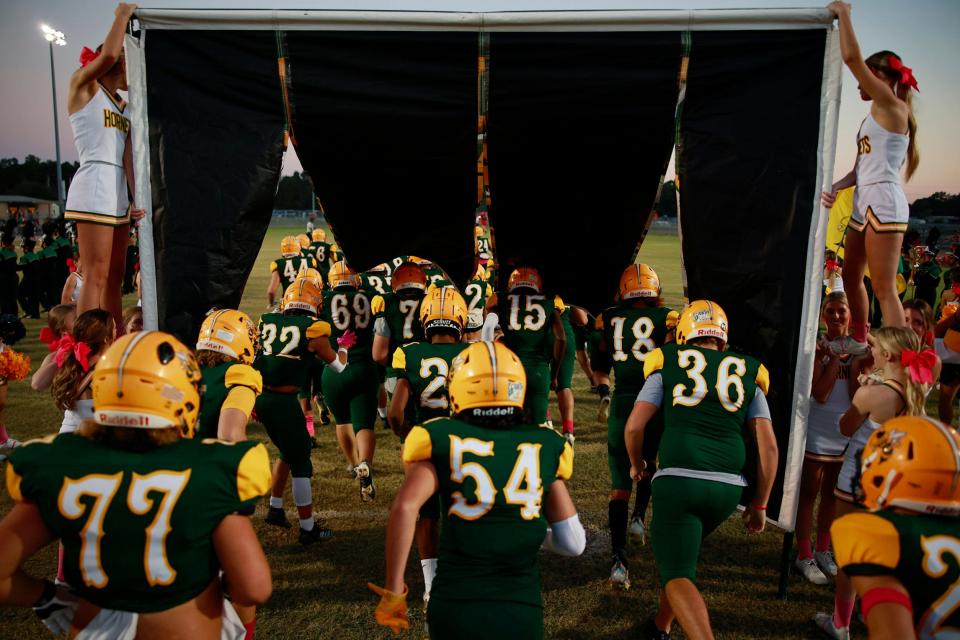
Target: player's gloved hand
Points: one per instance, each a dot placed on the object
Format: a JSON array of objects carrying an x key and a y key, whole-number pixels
[
  {"x": 392, "y": 610},
  {"x": 347, "y": 340},
  {"x": 55, "y": 608}
]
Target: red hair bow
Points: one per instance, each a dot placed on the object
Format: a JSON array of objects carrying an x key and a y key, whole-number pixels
[
  {"x": 832, "y": 265},
  {"x": 955, "y": 287},
  {"x": 47, "y": 335},
  {"x": 919, "y": 364},
  {"x": 68, "y": 345},
  {"x": 906, "y": 73},
  {"x": 87, "y": 55}
]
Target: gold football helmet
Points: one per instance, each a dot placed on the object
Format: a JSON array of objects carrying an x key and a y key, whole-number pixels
[
  {"x": 525, "y": 277},
  {"x": 312, "y": 275},
  {"x": 304, "y": 240},
  {"x": 913, "y": 463},
  {"x": 702, "y": 319},
  {"x": 341, "y": 275},
  {"x": 443, "y": 307},
  {"x": 289, "y": 246},
  {"x": 147, "y": 380},
  {"x": 408, "y": 276},
  {"x": 303, "y": 294},
  {"x": 486, "y": 375},
  {"x": 639, "y": 281},
  {"x": 318, "y": 235},
  {"x": 229, "y": 332}
]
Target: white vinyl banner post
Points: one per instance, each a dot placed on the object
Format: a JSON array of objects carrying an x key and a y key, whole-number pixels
[{"x": 137, "y": 83}]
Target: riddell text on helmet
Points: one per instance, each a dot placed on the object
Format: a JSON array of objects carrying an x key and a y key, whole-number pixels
[{"x": 115, "y": 420}]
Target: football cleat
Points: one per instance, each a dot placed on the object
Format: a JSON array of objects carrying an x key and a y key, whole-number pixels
[
  {"x": 824, "y": 622},
  {"x": 229, "y": 332},
  {"x": 637, "y": 532},
  {"x": 525, "y": 278},
  {"x": 147, "y": 380},
  {"x": 289, "y": 246},
  {"x": 826, "y": 562},
  {"x": 808, "y": 569},
  {"x": 639, "y": 281},
  {"x": 911, "y": 463},
  {"x": 702, "y": 319},
  {"x": 603, "y": 411},
  {"x": 569, "y": 437},
  {"x": 368, "y": 491},
  {"x": 319, "y": 533},
  {"x": 619, "y": 575},
  {"x": 277, "y": 517}
]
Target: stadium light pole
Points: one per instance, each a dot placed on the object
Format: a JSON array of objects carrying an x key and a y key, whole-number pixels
[{"x": 52, "y": 36}]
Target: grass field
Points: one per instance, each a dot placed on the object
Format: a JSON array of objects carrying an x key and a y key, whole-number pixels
[{"x": 320, "y": 591}]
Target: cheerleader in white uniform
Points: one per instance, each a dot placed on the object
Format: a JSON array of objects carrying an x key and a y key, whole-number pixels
[
  {"x": 98, "y": 199},
  {"x": 886, "y": 141}
]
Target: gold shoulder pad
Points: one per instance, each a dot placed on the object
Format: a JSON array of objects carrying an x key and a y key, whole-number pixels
[
  {"x": 417, "y": 447},
  {"x": 653, "y": 362},
  {"x": 318, "y": 329},
  {"x": 865, "y": 538},
  {"x": 244, "y": 375}
]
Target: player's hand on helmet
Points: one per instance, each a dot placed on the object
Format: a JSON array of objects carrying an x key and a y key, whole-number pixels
[
  {"x": 56, "y": 607},
  {"x": 392, "y": 610},
  {"x": 827, "y": 198},
  {"x": 347, "y": 340},
  {"x": 754, "y": 519}
]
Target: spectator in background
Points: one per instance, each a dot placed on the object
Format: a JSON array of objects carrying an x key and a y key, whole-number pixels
[
  {"x": 9, "y": 280},
  {"x": 30, "y": 286},
  {"x": 133, "y": 319},
  {"x": 73, "y": 286},
  {"x": 927, "y": 278},
  {"x": 950, "y": 375},
  {"x": 51, "y": 284},
  {"x": 133, "y": 260}
]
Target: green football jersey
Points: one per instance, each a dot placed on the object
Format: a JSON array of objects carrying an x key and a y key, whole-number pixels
[
  {"x": 215, "y": 385},
  {"x": 320, "y": 252},
  {"x": 492, "y": 486},
  {"x": 290, "y": 268},
  {"x": 527, "y": 324},
  {"x": 921, "y": 551},
  {"x": 348, "y": 309},
  {"x": 401, "y": 314},
  {"x": 284, "y": 357},
  {"x": 137, "y": 527},
  {"x": 425, "y": 366},
  {"x": 476, "y": 293},
  {"x": 375, "y": 283},
  {"x": 706, "y": 395},
  {"x": 630, "y": 333},
  {"x": 437, "y": 276}
]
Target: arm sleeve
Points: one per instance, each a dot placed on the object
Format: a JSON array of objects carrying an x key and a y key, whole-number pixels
[
  {"x": 763, "y": 379},
  {"x": 318, "y": 329},
  {"x": 758, "y": 406},
  {"x": 273, "y": 266},
  {"x": 400, "y": 362},
  {"x": 380, "y": 327},
  {"x": 652, "y": 391},
  {"x": 377, "y": 305},
  {"x": 865, "y": 544},
  {"x": 652, "y": 363},
  {"x": 253, "y": 474},
  {"x": 565, "y": 467},
  {"x": 242, "y": 398},
  {"x": 243, "y": 375},
  {"x": 566, "y": 537}
]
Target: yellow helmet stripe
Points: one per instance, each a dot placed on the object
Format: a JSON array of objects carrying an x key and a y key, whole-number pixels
[
  {"x": 493, "y": 365},
  {"x": 123, "y": 359}
]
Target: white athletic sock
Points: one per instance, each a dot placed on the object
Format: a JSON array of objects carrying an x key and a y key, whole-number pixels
[
  {"x": 429, "y": 567},
  {"x": 276, "y": 503},
  {"x": 382, "y": 412},
  {"x": 307, "y": 524},
  {"x": 302, "y": 495}
]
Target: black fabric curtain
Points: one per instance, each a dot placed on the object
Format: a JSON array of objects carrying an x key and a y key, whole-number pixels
[
  {"x": 216, "y": 147},
  {"x": 747, "y": 161},
  {"x": 386, "y": 126},
  {"x": 580, "y": 130}
]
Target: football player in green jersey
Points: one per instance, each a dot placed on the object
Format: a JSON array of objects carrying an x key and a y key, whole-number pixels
[
  {"x": 284, "y": 270},
  {"x": 147, "y": 515},
  {"x": 289, "y": 342},
  {"x": 500, "y": 480},
  {"x": 476, "y": 292},
  {"x": 630, "y": 330},
  {"x": 422, "y": 369},
  {"x": 352, "y": 396},
  {"x": 903, "y": 554},
  {"x": 229, "y": 384},
  {"x": 320, "y": 250},
  {"x": 708, "y": 395},
  {"x": 396, "y": 318},
  {"x": 568, "y": 316},
  {"x": 533, "y": 330}
]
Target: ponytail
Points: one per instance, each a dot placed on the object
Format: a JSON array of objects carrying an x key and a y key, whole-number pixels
[
  {"x": 913, "y": 153},
  {"x": 891, "y": 66}
]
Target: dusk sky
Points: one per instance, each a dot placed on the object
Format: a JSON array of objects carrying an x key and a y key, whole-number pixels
[{"x": 923, "y": 32}]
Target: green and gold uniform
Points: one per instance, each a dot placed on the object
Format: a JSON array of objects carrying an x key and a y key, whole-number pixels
[
  {"x": 425, "y": 366},
  {"x": 629, "y": 334},
  {"x": 527, "y": 324},
  {"x": 321, "y": 255},
  {"x": 290, "y": 268},
  {"x": 397, "y": 317},
  {"x": 284, "y": 360},
  {"x": 352, "y": 394},
  {"x": 375, "y": 283},
  {"x": 492, "y": 485},
  {"x": 215, "y": 385},
  {"x": 476, "y": 293},
  {"x": 921, "y": 551},
  {"x": 706, "y": 401},
  {"x": 565, "y": 370},
  {"x": 137, "y": 527},
  {"x": 436, "y": 276}
]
